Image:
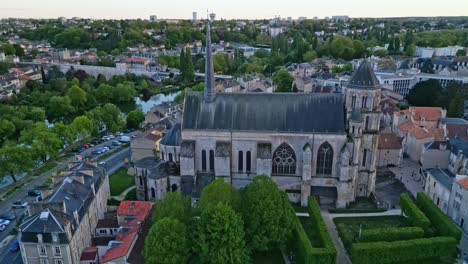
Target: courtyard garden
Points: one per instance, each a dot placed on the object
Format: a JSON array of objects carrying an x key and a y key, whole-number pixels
[
  {"x": 254, "y": 225},
  {"x": 120, "y": 181},
  {"x": 424, "y": 234}
]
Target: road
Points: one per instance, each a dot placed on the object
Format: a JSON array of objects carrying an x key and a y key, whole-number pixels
[{"x": 112, "y": 164}]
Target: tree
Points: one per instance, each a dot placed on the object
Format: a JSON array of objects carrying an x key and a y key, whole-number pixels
[
  {"x": 134, "y": 119},
  {"x": 19, "y": 51},
  {"x": 220, "y": 236},
  {"x": 427, "y": 66},
  {"x": 456, "y": 106},
  {"x": 268, "y": 216},
  {"x": 283, "y": 81},
  {"x": 15, "y": 159},
  {"x": 77, "y": 96},
  {"x": 397, "y": 44},
  {"x": 44, "y": 142},
  {"x": 65, "y": 133},
  {"x": 182, "y": 63},
  {"x": 166, "y": 243},
  {"x": 310, "y": 55},
  {"x": 59, "y": 107},
  {"x": 425, "y": 93},
  {"x": 189, "y": 73},
  {"x": 111, "y": 117},
  {"x": 103, "y": 93},
  {"x": 219, "y": 191},
  {"x": 461, "y": 53},
  {"x": 123, "y": 93},
  {"x": 8, "y": 49},
  {"x": 83, "y": 126},
  {"x": 174, "y": 205},
  {"x": 7, "y": 129}
]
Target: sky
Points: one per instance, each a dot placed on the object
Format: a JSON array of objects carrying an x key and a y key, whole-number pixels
[{"x": 234, "y": 9}]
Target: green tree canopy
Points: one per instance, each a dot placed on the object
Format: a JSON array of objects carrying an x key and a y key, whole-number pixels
[
  {"x": 174, "y": 205},
  {"x": 123, "y": 93},
  {"x": 219, "y": 191},
  {"x": 456, "y": 106},
  {"x": 135, "y": 118},
  {"x": 220, "y": 236},
  {"x": 166, "y": 243},
  {"x": 82, "y": 126},
  {"x": 77, "y": 96},
  {"x": 283, "y": 81},
  {"x": 268, "y": 216},
  {"x": 59, "y": 107},
  {"x": 15, "y": 159},
  {"x": 44, "y": 142},
  {"x": 425, "y": 93}
]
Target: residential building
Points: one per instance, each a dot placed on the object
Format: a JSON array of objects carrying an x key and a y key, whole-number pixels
[
  {"x": 458, "y": 206},
  {"x": 89, "y": 256},
  {"x": 435, "y": 154},
  {"x": 61, "y": 226},
  {"x": 439, "y": 186},
  {"x": 390, "y": 150}
]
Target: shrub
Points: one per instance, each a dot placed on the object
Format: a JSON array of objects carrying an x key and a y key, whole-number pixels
[
  {"x": 319, "y": 224},
  {"x": 443, "y": 225},
  {"x": 405, "y": 251},
  {"x": 415, "y": 216},
  {"x": 391, "y": 234}
]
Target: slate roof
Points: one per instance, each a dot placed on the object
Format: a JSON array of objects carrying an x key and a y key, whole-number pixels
[
  {"x": 389, "y": 141},
  {"x": 363, "y": 77},
  {"x": 173, "y": 136},
  {"x": 442, "y": 176},
  {"x": 457, "y": 145},
  {"x": 279, "y": 112}
]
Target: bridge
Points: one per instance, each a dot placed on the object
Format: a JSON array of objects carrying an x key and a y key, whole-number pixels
[{"x": 109, "y": 72}]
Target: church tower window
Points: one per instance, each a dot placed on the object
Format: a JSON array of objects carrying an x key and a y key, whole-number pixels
[
  {"x": 364, "y": 101},
  {"x": 284, "y": 160},
  {"x": 203, "y": 160},
  {"x": 212, "y": 160},
  {"x": 364, "y": 157},
  {"x": 325, "y": 159},
  {"x": 248, "y": 161},
  {"x": 240, "y": 161},
  {"x": 353, "y": 101},
  {"x": 367, "y": 122}
]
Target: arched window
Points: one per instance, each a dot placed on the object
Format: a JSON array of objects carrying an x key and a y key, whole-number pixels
[
  {"x": 240, "y": 161},
  {"x": 212, "y": 160},
  {"x": 367, "y": 122},
  {"x": 248, "y": 161},
  {"x": 364, "y": 157},
  {"x": 353, "y": 100},
  {"x": 325, "y": 159},
  {"x": 352, "y": 130},
  {"x": 170, "y": 157},
  {"x": 203, "y": 160},
  {"x": 153, "y": 192},
  {"x": 284, "y": 160},
  {"x": 141, "y": 180},
  {"x": 364, "y": 101},
  {"x": 162, "y": 155}
]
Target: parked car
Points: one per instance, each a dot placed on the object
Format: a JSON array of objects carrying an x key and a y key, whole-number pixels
[
  {"x": 7, "y": 216},
  {"x": 134, "y": 136},
  {"x": 2, "y": 227},
  {"x": 19, "y": 204},
  {"x": 34, "y": 193},
  {"x": 38, "y": 198},
  {"x": 86, "y": 146},
  {"x": 119, "y": 134},
  {"x": 96, "y": 141},
  {"x": 102, "y": 163},
  {"x": 111, "y": 136},
  {"x": 116, "y": 143},
  {"x": 15, "y": 246},
  {"x": 4, "y": 222},
  {"x": 124, "y": 139}
]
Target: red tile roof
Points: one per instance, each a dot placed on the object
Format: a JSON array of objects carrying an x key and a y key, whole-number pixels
[
  {"x": 390, "y": 141},
  {"x": 89, "y": 253},
  {"x": 126, "y": 239},
  {"x": 410, "y": 128},
  {"x": 139, "y": 209},
  {"x": 463, "y": 183},
  {"x": 429, "y": 113}
]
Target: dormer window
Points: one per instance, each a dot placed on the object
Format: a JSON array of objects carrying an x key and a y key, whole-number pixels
[
  {"x": 55, "y": 237},
  {"x": 39, "y": 238}
]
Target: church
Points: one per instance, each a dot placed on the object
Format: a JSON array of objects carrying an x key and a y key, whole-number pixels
[{"x": 323, "y": 145}]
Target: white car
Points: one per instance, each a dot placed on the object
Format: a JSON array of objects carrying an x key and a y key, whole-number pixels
[
  {"x": 2, "y": 227},
  {"x": 102, "y": 163},
  {"x": 119, "y": 134},
  {"x": 4, "y": 222},
  {"x": 19, "y": 204}
]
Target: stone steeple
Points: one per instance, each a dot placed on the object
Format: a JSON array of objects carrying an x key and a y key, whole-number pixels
[{"x": 209, "y": 93}]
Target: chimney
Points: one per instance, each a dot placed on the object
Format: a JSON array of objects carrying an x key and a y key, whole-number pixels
[{"x": 209, "y": 93}]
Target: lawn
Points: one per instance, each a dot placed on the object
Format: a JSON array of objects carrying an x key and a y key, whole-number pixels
[
  {"x": 348, "y": 227},
  {"x": 131, "y": 196},
  {"x": 120, "y": 181},
  {"x": 271, "y": 257}
]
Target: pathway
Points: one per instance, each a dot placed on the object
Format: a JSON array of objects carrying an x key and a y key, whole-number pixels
[{"x": 123, "y": 194}]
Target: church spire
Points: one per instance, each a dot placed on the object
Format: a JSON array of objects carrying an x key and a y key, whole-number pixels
[{"x": 209, "y": 93}]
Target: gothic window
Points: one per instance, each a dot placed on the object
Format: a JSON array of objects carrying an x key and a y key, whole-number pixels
[
  {"x": 141, "y": 180},
  {"x": 248, "y": 161},
  {"x": 203, "y": 160},
  {"x": 353, "y": 101},
  {"x": 367, "y": 122},
  {"x": 162, "y": 155},
  {"x": 212, "y": 160},
  {"x": 170, "y": 157},
  {"x": 284, "y": 160},
  {"x": 364, "y": 157},
  {"x": 352, "y": 130},
  {"x": 325, "y": 159},
  {"x": 153, "y": 192},
  {"x": 240, "y": 165},
  {"x": 364, "y": 101}
]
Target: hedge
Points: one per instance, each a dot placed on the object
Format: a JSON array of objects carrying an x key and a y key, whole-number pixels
[
  {"x": 415, "y": 216},
  {"x": 303, "y": 248},
  {"x": 442, "y": 223},
  {"x": 404, "y": 251},
  {"x": 391, "y": 234}
]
